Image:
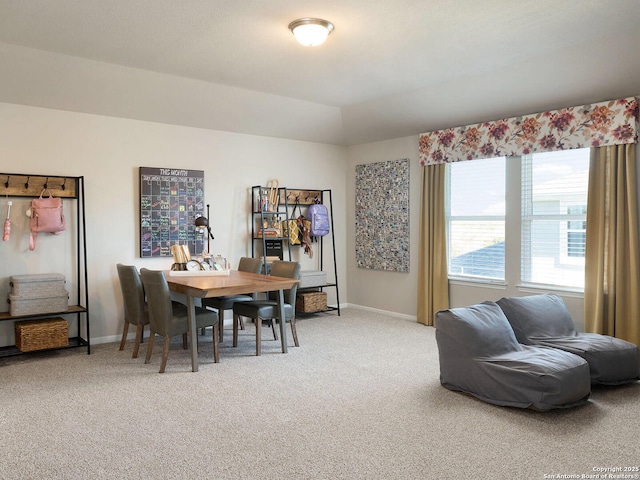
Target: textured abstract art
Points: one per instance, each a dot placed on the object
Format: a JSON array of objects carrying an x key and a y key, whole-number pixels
[{"x": 382, "y": 216}]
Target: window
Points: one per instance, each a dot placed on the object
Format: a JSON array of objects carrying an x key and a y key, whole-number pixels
[
  {"x": 545, "y": 223},
  {"x": 476, "y": 218},
  {"x": 554, "y": 217}
]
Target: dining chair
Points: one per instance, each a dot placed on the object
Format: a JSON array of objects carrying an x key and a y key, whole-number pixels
[
  {"x": 168, "y": 319},
  {"x": 135, "y": 308},
  {"x": 260, "y": 310},
  {"x": 247, "y": 264}
]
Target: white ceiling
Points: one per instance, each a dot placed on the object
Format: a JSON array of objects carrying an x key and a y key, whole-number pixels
[{"x": 392, "y": 67}]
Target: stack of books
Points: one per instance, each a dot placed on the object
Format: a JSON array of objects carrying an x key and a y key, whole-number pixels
[{"x": 268, "y": 233}]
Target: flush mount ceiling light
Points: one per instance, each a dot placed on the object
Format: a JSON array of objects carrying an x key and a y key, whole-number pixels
[{"x": 311, "y": 31}]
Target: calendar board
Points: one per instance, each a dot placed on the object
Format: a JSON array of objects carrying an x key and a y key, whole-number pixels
[{"x": 170, "y": 201}]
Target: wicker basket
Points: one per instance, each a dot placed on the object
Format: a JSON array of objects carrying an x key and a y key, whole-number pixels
[
  {"x": 41, "y": 334},
  {"x": 309, "y": 302}
]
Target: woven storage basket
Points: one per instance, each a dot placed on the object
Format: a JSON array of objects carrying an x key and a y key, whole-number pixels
[
  {"x": 29, "y": 305},
  {"x": 40, "y": 285},
  {"x": 41, "y": 334},
  {"x": 311, "y": 302}
]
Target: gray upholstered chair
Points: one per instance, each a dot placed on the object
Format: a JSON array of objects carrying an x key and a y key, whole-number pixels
[
  {"x": 544, "y": 320},
  {"x": 135, "y": 307},
  {"x": 479, "y": 355},
  {"x": 260, "y": 310},
  {"x": 247, "y": 264},
  {"x": 169, "y": 319}
]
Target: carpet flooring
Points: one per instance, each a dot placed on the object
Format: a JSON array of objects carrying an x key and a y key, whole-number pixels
[{"x": 359, "y": 399}]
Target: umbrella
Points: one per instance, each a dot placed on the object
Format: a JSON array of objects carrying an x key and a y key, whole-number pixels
[{"x": 7, "y": 222}]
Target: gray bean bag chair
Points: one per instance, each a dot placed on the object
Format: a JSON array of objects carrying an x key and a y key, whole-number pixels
[
  {"x": 479, "y": 355},
  {"x": 543, "y": 320}
]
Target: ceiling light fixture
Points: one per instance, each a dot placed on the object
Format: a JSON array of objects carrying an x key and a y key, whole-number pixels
[{"x": 311, "y": 31}]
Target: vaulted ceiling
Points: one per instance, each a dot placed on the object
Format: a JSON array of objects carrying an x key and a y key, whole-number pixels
[{"x": 391, "y": 68}]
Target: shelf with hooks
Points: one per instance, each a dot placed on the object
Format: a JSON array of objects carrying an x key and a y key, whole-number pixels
[
  {"x": 264, "y": 209},
  {"x": 20, "y": 185},
  {"x": 303, "y": 197}
]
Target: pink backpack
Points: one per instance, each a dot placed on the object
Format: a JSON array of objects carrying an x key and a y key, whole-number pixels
[{"x": 46, "y": 216}]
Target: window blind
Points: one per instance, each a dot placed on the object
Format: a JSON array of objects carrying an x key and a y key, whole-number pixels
[{"x": 554, "y": 207}]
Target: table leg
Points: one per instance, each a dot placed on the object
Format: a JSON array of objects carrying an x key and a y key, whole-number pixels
[
  {"x": 283, "y": 321},
  {"x": 193, "y": 332}
]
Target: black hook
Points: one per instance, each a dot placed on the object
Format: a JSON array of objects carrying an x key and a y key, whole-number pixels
[
  {"x": 46, "y": 183},
  {"x": 26, "y": 185},
  {"x": 6, "y": 185},
  {"x": 63, "y": 184}
]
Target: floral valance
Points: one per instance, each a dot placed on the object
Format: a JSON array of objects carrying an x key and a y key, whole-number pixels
[{"x": 595, "y": 125}]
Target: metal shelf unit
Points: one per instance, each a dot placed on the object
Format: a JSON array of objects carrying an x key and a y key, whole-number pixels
[
  {"x": 21, "y": 185},
  {"x": 287, "y": 199}
]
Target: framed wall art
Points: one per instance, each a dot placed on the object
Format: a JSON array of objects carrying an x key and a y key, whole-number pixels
[{"x": 382, "y": 216}]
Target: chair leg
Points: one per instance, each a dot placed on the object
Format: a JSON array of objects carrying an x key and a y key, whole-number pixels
[
  {"x": 273, "y": 328},
  {"x": 241, "y": 324},
  {"x": 184, "y": 341},
  {"x": 258, "y": 322},
  {"x": 149, "y": 346},
  {"x": 125, "y": 330},
  {"x": 136, "y": 345},
  {"x": 202, "y": 331},
  {"x": 216, "y": 349},
  {"x": 221, "y": 325},
  {"x": 294, "y": 333},
  {"x": 165, "y": 353},
  {"x": 235, "y": 329}
]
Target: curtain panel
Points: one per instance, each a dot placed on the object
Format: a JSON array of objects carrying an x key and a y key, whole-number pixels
[
  {"x": 612, "y": 257},
  {"x": 596, "y": 125},
  {"x": 433, "y": 284}
]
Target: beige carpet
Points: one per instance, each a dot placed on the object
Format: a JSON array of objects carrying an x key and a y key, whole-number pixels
[{"x": 360, "y": 399}]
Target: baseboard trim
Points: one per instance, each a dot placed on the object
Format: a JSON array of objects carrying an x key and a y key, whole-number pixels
[{"x": 404, "y": 316}]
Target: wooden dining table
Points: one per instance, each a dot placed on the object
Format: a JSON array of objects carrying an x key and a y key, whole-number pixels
[{"x": 220, "y": 285}]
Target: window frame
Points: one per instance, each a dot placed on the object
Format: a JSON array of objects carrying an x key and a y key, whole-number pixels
[{"x": 515, "y": 169}]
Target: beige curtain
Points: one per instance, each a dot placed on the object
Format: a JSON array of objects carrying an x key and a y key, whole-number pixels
[
  {"x": 612, "y": 277},
  {"x": 433, "y": 283}
]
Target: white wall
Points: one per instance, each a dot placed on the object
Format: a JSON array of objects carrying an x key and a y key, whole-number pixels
[
  {"x": 389, "y": 291},
  {"x": 107, "y": 151}
]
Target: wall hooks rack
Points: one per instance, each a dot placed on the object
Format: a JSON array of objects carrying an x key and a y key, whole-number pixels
[
  {"x": 302, "y": 197},
  {"x": 32, "y": 185}
]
